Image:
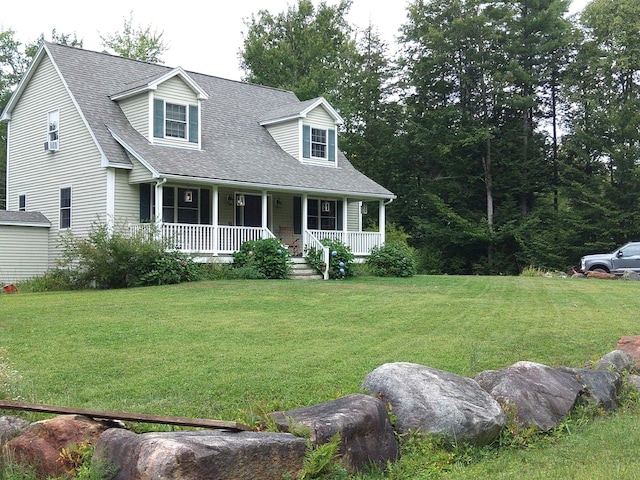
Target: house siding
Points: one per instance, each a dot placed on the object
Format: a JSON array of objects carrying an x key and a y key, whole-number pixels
[
  {"x": 320, "y": 118},
  {"x": 127, "y": 199},
  {"x": 39, "y": 174},
  {"x": 353, "y": 215},
  {"x": 136, "y": 109},
  {"x": 23, "y": 252},
  {"x": 286, "y": 134}
]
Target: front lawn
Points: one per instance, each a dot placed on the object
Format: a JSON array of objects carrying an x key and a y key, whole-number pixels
[{"x": 235, "y": 350}]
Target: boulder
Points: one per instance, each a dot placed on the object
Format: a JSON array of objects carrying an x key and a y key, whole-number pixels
[
  {"x": 599, "y": 386},
  {"x": 630, "y": 345},
  {"x": 195, "y": 455},
  {"x": 619, "y": 361},
  {"x": 366, "y": 436},
  {"x": 10, "y": 427},
  {"x": 630, "y": 275},
  {"x": 40, "y": 444},
  {"x": 437, "y": 402},
  {"x": 634, "y": 381},
  {"x": 538, "y": 395}
]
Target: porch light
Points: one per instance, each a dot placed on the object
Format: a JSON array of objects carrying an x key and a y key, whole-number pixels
[
  {"x": 326, "y": 207},
  {"x": 240, "y": 200},
  {"x": 188, "y": 196},
  {"x": 364, "y": 209},
  {"x": 278, "y": 203},
  {"x": 229, "y": 199}
]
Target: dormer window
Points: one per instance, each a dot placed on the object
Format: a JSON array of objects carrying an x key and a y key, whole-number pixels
[
  {"x": 175, "y": 121},
  {"x": 318, "y": 143}
]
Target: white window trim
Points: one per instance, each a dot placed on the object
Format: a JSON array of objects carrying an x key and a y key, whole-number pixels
[
  {"x": 70, "y": 208},
  {"x": 326, "y": 143},
  {"x": 186, "y": 121}
]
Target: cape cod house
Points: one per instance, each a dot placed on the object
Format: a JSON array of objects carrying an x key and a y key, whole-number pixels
[{"x": 208, "y": 162}]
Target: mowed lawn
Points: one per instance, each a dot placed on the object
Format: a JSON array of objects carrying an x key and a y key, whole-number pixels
[{"x": 235, "y": 350}]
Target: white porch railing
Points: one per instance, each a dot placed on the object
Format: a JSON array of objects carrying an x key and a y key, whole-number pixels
[
  {"x": 360, "y": 243},
  {"x": 192, "y": 238},
  {"x": 222, "y": 239}
]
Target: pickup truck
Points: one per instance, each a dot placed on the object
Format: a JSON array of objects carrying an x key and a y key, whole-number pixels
[{"x": 624, "y": 258}]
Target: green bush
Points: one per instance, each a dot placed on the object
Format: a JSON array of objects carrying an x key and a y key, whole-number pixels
[
  {"x": 394, "y": 259},
  {"x": 106, "y": 259},
  {"x": 266, "y": 258}
]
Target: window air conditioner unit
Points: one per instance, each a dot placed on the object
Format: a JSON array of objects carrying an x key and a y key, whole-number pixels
[{"x": 51, "y": 146}]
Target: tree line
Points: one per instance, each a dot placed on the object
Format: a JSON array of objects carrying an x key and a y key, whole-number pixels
[{"x": 508, "y": 129}]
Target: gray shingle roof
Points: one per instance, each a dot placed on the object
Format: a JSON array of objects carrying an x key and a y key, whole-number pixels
[
  {"x": 236, "y": 149},
  {"x": 10, "y": 217}
]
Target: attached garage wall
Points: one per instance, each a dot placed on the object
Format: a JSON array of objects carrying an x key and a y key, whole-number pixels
[{"x": 23, "y": 252}]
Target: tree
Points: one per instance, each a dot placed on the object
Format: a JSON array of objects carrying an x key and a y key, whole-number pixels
[
  {"x": 603, "y": 149},
  {"x": 136, "y": 43},
  {"x": 305, "y": 50}
]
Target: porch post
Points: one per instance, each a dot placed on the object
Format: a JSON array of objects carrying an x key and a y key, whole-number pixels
[
  {"x": 265, "y": 217},
  {"x": 345, "y": 214},
  {"x": 215, "y": 215},
  {"x": 158, "y": 205},
  {"x": 381, "y": 220},
  {"x": 304, "y": 214}
]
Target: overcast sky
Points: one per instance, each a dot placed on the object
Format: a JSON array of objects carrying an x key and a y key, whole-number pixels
[{"x": 205, "y": 39}]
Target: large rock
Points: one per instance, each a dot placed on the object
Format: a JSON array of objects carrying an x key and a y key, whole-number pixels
[
  {"x": 599, "y": 386},
  {"x": 197, "y": 455},
  {"x": 618, "y": 361},
  {"x": 366, "y": 436},
  {"x": 539, "y": 395},
  {"x": 437, "y": 402},
  {"x": 40, "y": 444},
  {"x": 10, "y": 427},
  {"x": 630, "y": 345}
]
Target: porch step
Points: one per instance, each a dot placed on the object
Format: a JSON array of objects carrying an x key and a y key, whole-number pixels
[{"x": 301, "y": 270}]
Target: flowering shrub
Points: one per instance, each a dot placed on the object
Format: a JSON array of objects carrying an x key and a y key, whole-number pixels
[
  {"x": 266, "y": 258},
  {"x": 394, "y": 259},
  {"x": 340, "y": 259}
]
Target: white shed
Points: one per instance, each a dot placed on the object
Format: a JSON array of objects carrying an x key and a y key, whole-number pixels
[{"x": 24, "y": 245}]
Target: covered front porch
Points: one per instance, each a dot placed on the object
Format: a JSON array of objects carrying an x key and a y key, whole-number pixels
[{"x": 214, "y": 221}]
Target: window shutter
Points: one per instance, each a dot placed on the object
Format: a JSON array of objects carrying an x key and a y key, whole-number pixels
[
  {"x": 339, "y": 219},
  {"x": 145, "y": 202},
  {"x": 297, "y": 215},
  {"x": 306, "y": 141},
  {"x": 158, "y": 118},
  {"x": 193, "y": 123},
  {"x": 332, "y": 145}
]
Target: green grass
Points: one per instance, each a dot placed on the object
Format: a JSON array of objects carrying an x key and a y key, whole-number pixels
[{"x": 234, "y": 350}]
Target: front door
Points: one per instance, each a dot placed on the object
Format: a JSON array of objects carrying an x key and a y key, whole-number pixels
[{"x": 249, "y": 214}]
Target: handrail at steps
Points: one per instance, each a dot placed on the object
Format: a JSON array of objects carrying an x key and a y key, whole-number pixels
[{"x": 311, "y": 241}]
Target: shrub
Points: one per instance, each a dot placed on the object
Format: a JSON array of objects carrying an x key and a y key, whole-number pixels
[
  {"x": 106, "y": 259},
  {"x": 340, "y": 259},
  {"x": 394, "y": 259},
  {"x": 266, "y": 258}
]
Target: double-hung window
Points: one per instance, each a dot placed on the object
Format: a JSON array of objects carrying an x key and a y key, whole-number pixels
[
  {"x": 53, "y": 131},
  {"x": 22, "y": 203},
  {"x": 318, "y": 143},
  {"x": 176, "y": 121},
  {"x": 65, "y": 207}
]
